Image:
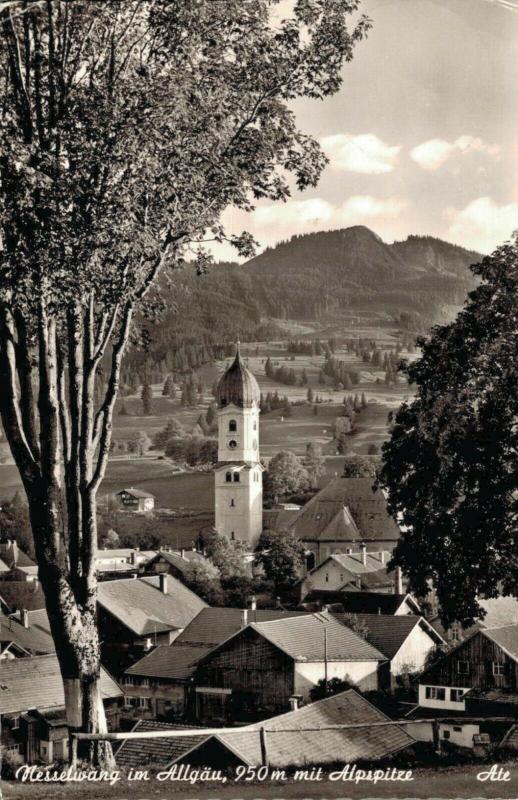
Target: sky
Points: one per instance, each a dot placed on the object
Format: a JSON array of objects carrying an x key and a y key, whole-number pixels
[{"x": 419, "y": 137}]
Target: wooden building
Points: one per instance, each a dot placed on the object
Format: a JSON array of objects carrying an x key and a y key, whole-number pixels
[
  {"x": 135, "y": 500},
  {"x": 483, "y": 668}
]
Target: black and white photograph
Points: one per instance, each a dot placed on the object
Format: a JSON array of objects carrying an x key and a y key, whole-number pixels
[{"x": 258, "y": 399}]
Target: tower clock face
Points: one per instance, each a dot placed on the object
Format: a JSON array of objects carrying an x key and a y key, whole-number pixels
[{"x": 232, "y": 444}]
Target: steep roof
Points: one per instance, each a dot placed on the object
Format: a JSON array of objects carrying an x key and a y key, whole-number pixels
[
  {"x": 138, "y": 753},
  {"x": 363, "y": 602},
  {"x": 21, "y": 594},
  {"x": 179, "y": 561},
  {"x": 213, "y": 625},
  {"x": 289, "y": 745},
  {"x": 367, "y": 511},
  {"x": 238, "y": 386},
  {"x": 175, "y": 662},
  {"x": 36, "y": 682},
  {"x": 13, "y": 556},
  {"x": 37, "y": 619},
  {"x": 143, "y": 608},
  {"x": 312, "y": 637},
  {"x": 33, "y": 639},
  {"x": 388, "y": 632},
  {"x": 4, "y": 567}
]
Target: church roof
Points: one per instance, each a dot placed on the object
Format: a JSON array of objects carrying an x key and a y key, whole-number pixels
[
  {"x": 349, "y": 508},
  {"x": 238, "y": 386}
]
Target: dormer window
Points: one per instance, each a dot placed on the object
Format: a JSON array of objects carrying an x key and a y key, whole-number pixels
[
  {"x": 228, "y": 477},
  {"x": 232, "y": 426},
  {"x": 236, "y": 477}
]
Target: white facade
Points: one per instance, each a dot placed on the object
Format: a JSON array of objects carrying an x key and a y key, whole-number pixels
[
  {"x": 239, "y": 475},
  {"x": 450, "y": 698},
  {"x": 413, "y": 653},
  {"x": 363, "y": 674}
]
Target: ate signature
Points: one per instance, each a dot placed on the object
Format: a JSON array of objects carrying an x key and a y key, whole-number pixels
[{"x": 495, "y": 773}]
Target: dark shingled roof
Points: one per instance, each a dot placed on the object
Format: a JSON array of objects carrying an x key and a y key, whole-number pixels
[
  {"x": 21, "y": 594},
  {"x": 366, "y": 510},
  {"x": 176, "y": 662},
  {"x": 238, "y": 386},
  {"x": 178, "y": 561},
  {"x": 389, "y": 632},
  {"x": 362, "y": 602},
  {"x": 213, "y": 625},
  {"x": 13, "y": 556},
  {"x": 138, "y": 493},
  {"x": 143, "y": 608},
  {"x": 36, "y": 682},
  {"x": 290, "y": 745},
  {"x": 138, "y": 753}
]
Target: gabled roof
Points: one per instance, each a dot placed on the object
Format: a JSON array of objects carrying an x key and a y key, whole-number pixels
[
  {"x": 21, "y": 594},
  {"x": 3, "y": 566},
  {"x": 138, "y": 753},
  {"x": 366, "y": 509},
  {"x": 174, "y": 662},
  {"x": 388, "y": 632},
  {"x": 138, "y": 493},
  {"x": 353, "y": 563},
  {"x": 290, "y": 745},
  {"x": 37, "y": 619},
  {"x": 364, "y": 602},
  {"x": 32, "y": 639},
  {"x": 213, "y": 625},
  {"x": 342, "y": 528},
  {"x": 13, "y": 556},
  {"x": 36, "y": 682},
  {"x": 179, "y": 561},
  {"x": 144, "y": 609},
  {"x": 311, "y": 637}
]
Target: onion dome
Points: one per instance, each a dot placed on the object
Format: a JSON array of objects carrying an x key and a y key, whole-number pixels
[{"x": 238, "y": 386}]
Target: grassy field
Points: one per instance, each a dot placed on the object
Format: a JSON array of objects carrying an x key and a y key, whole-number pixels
[
  {"x": 194, "y": 491},
  {"x": 448, "y": 783}
]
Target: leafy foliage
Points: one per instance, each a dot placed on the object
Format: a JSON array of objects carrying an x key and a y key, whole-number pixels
[
  {"x": 450, "y": 466},
  {"x": 285, "y": 475},
  {"x": 281, "y": 556}
]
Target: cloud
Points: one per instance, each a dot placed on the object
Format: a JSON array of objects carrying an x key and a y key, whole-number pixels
[
  {"x": 274, "y": 222},
  {"x": 364, "y": 153},
  {"x": 482, "y": 225},
  {"x": 431, "y": 155}
]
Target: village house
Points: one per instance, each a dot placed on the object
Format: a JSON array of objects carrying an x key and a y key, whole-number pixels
[
  {"x": 341, "y": 571},
  {"x": 406, "y": 640},
  {"x": 137, "y": 614},
  {"x": 361, "y": 602},
  {"x": 32, "y": 708},
  {"x": 289, "y": 740},
  {"x": 19, "y": 638},
  {"x": 254, "y": 673},
  {"x": 342, "y": 516},
  {"x": 135, "y": 500},
  {"x": 122, "y": 561},
  {"x": 481, "y": 674},
  {"x": 174, "y": 563},
  {"x": 498, "y": 612},
  {"x": 160, "y": 684}
]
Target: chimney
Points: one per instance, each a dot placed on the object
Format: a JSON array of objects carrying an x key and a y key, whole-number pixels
[
  {"x": 294, "y": 702},
  {"x": 182, "y": 552},
  {"x": 245, "y": 618},
  {"x": 364, "y": 554},
  {"x": 253, "y": 603},
  {"x": 24, "y": 617},
  {"x": 148, "y": 644},
  {"x": 382, "y": 556},
  {"x": 358, "y": 582},
  {"x": 278, "y": 602},
  {"x": 163, "y": 584},
  {"x": 398, "y": 582},
  {"x": 133, "y": 557}
]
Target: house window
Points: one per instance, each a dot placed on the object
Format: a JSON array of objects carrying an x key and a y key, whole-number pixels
[
  {"x": 463, "y": 667},
  {"x": 456, "y": 695},
  {"x": 435, "y": 693},
  {"x": 228, "y": 477},
  {"x": 15, "y": 723},
  {"x": 144, "y": 702},
  {"x": 232, "y": 426},
  {"x": 498, "y": 668},
  {"x": 232, "y": 444},
  {"x": 128, "y": 702},
  {"x": 144, "y": 682},
  {"x": 446, "y": 734},
  {"x": 457, "y": 728},
  {"x": 327, "y": 577},
  {"x": 232, "y": 535},
  {"x": 255, "y": 424},
  {"x": 129, "y": 681},
  {"x": 236, "y": 477}
]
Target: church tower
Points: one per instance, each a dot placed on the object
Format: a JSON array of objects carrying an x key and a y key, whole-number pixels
[{"x": 238, "y": 473}]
